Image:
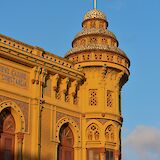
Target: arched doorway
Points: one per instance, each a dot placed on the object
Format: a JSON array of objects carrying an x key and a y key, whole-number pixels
[
  {"x": 65, "y": 148},
  {"x": 7, "y": 135}
]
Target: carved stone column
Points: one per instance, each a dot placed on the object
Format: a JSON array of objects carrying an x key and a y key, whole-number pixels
[{"x": 20, "y": 137}]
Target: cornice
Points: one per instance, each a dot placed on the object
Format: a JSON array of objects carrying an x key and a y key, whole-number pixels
[
  {"x": 95, "y": 31},
  {"x": 94, "y": 47},
  {"x": 55, "y": 65},
  {"x": 14, "y": 41}
]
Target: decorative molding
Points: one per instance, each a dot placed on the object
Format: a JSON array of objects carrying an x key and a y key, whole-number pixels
[
  {"x": 53, "y": 63},
  {"x": 73, "y": 125},
  {"x": 101, "y": 120},
  {"x": 95, "y": 31},
  {"x": 33, "y": 50},
  {"x": 60, "y": 115},
  {"x": 22, "y": 105},
  {"x": 97, "y": 47}
]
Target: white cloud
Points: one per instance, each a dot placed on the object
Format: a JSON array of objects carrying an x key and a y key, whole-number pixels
[{"x": 143, "y": 143}]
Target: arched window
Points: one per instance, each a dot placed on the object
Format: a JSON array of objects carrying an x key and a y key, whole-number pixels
[
  {"x": 109, "y": 133},
  {"x": 65, "y": 148},
  {"x": 93, "y": 132},
  {"x": 7, "y": 135}
]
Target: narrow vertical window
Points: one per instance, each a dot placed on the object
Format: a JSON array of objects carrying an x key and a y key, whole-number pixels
[
  {"x": 93, "y": 97},
  {"x": 94, "y": 154},
  {"x": 109, "y": 98},
  {"x": 109, "y": 155}
]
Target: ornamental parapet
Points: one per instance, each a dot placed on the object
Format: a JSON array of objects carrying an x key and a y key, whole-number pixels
[
  {"x": 98, "y": 53},
  {"x": 16, "y": 44},
  {"x": 33, "y": 50},
  {"x": 35, "y": 56},
  {"x": 95, "y": 47}
]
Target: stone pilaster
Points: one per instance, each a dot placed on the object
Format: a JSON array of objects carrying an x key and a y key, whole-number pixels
[{"x": 20, "y": 137}]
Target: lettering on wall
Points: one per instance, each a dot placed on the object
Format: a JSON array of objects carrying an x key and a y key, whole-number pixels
[{"x": 14, "y": 76}]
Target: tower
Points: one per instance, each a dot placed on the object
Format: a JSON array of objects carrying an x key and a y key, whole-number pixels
[{"x": 95, "y": 52}]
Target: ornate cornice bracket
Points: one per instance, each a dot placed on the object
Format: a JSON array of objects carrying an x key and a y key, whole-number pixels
[
  {"x": 65, "y": 85},
  {"x": 43, "y": 75},
  {"x": 121, "y": 79},
  {"x": 55, "y": 80},
  {"x": 36, "y": 73}
]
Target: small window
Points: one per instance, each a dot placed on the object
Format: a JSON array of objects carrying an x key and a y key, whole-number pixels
[{"x": 109, "y": 155}]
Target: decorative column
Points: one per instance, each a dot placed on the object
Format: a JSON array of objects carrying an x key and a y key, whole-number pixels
[
  {"x": 56, "y": 151},
  {"x": 20, "y": 137}
]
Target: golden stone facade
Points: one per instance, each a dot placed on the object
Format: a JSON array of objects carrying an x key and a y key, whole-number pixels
[{"x": 54, "y": 108}]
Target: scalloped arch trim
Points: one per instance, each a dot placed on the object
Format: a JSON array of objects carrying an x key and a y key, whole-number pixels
[
  {"x": 74, "y": 127},
  {"x": 14, "y": 106}
]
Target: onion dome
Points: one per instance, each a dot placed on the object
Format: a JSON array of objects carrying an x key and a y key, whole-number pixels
[
  {"x": 95, "y": 42},
  {"x": 94, "y": 14}
]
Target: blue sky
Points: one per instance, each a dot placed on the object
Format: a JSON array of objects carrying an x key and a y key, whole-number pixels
[{"x": 53, "y": 24}]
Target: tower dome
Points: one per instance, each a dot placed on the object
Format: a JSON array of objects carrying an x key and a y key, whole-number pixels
[
  {"x": 96, "y": 43},
  {"x": 94, "y": 14}
]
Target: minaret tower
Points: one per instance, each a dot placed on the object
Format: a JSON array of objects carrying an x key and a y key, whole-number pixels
[{"x": 95, "y": 52}]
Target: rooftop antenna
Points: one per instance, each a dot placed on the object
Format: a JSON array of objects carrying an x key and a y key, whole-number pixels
[{"x": 95, "y": 4}]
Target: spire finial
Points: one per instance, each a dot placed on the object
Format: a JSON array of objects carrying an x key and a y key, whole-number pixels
[{"x": 95, "y": 4}]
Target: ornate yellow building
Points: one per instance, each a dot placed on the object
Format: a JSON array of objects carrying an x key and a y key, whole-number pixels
[{"x": 54, "y": 108}]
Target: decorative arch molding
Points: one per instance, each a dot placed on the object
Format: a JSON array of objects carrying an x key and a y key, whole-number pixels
[
  {"x": 112, "y": 123},
  {"x": 18, "y": 116},
  {"x": 74, "y": 127},
  {"x": 98, "y": 123}
]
